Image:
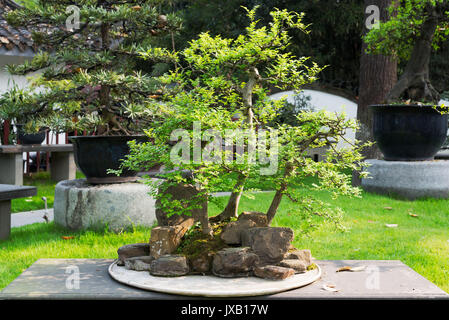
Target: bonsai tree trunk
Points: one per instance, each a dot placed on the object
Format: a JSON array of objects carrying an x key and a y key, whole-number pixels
[
  {"x": 232, "y": 207},
  {"x": 378, "y": 75},
  {"x": 278, "y": 196},
  {"x": 414, "y": 84}
]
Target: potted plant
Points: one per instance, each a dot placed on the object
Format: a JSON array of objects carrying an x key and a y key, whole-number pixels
[
  {"x": 90, "y": 81},
  {"x": 410, "y": 126},
  {"x": 16, "y": 107}
]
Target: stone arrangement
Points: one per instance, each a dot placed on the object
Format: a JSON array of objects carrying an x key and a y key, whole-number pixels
[{"x": 249, "y": 248}]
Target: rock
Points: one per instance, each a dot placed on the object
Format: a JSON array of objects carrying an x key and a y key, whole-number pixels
[
  {"x": 232, "y": 233},
  {"x": 269, "y": 243},
  {"x": 273, "y": 272},
  {"x": 169, "y": 266},
  {"x": 303, "y": 255},
  {"x": 298, "y": 265},
  {"x": 259, "y": 218},
  {"x": 132, "y": 250},
  {"x": 139, "y": 263},
  {"x": 179, "y": 192},
  {"x": 165, "y": 240},
  {"x": 201, "y": 264},
  {"x": 234, "y": 262}
]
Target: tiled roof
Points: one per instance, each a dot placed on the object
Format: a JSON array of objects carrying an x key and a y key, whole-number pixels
[{"x": 13, "y": 38}]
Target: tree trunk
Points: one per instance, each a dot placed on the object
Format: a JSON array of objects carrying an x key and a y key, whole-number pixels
[
  {"x": 232, "y": 207},
  {"x": 378, "y": 74},
  {"x": 275, "y": 203},
  {"x": 278, "y": 195},
  {"x": 414, "y": 83}
]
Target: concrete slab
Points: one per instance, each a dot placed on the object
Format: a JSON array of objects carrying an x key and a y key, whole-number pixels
[
  {"x": 83, "y": 279},
  {"x": 408, "y": 179}
]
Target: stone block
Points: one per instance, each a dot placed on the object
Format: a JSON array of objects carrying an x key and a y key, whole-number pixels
[
  {"x": 269, "y": 243},
  {"x": 408, "y": 179},
  {"x": 273, "y": 272},
  {"x": 234, "y": 262},
  {"x": 169, "y": 266},
  {"x": 132, "y": 250},
  {"x": 79, "y": 205}
]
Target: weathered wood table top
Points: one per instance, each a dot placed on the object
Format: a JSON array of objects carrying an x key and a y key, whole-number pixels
[{"x": 381, "y": 279}]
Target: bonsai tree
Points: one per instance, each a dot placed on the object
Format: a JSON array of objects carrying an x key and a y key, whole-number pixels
[
  {"x": 220, "y": 90},
  {"x": 90, "y": 79},
  {"x": 413, "y": 31}
]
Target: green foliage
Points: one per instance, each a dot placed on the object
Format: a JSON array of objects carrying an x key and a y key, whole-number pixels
[
  {"x": 398, "y": 35},
  {"x": 224, "y": 89},
  {"x": 287, "y": 113},
  {"x": 90, "y": 79},
  {"x": 334, "y": 37}
]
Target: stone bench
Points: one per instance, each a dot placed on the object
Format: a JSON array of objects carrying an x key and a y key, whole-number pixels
[
  {"x": 8, "y": 192},
  {"x": 62, "y": 165}
]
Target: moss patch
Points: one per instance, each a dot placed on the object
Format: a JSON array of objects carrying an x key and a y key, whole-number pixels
[
  {"x": 195, "y": 243},
  {"x": 313, "y": 266}
]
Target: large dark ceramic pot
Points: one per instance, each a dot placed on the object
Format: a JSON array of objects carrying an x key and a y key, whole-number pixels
[
  {"x": 408, "y": 132},
  {"x": 30, "y": 138},
  {"x": 94, "y": 155}
]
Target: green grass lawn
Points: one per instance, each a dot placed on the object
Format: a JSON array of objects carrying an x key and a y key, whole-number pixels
[
  {"x": 45, "y": 188},
  {"x": 421, "y": 242}
]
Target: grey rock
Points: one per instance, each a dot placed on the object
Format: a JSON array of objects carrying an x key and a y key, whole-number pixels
[
  {"x": 273, "y": 272},
  {"x": 132, "y": 250},
  {"x": 303, "y": 255},
  {"x": 169, "y": 266},
  {"x": 234, "y": 262},
  {"x": 298, "y": 265},
  {"x": 259, "y": 218},
  {"x": 269, "y": 243},
  {"x": 201, "y": 263},
  {"x": 232, "y": 233},
  {"x": 139, "y": 263},
  {"x": 166, "y": 239}
]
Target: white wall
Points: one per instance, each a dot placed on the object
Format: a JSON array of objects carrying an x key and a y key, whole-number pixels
[{"x": 326, "y": 101}]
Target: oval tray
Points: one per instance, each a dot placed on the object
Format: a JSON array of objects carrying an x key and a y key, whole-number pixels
[{"x": 211, "y": 286}]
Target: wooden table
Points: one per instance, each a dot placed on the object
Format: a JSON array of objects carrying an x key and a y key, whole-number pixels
[
  {"x": 62, "y": 165},
  {"x": 8, "y": 192}
]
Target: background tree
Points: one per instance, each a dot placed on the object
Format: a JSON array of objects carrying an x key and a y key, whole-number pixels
[
  {"x": 330, "y": 41},
  {"x": 378, "y": 74},
  {"x": 89, "y": 79},
  {"x": 417, "y": 27}
]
